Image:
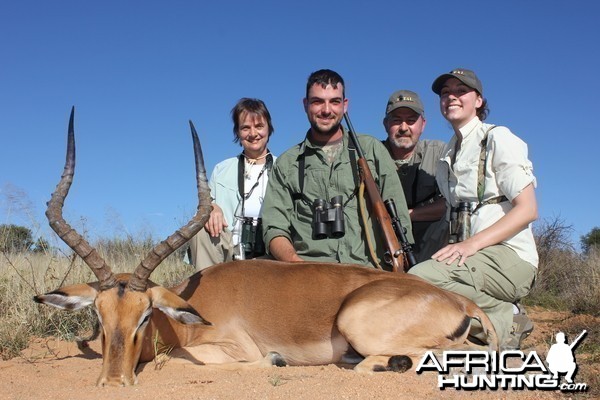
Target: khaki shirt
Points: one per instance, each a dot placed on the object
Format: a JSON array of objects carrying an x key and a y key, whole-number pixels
[
  {"x": 292, "y": 219},
  {"x": 507, "y": 173}
]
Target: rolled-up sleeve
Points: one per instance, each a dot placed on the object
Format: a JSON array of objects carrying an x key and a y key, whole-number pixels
[{"x": 510, "y": 162}]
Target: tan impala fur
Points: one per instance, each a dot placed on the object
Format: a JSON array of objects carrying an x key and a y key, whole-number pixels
[{"x": 259, "y": 312}]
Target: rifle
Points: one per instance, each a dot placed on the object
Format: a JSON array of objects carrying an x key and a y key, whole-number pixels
[
  {"x": 575, "y": 342},
  {"x": 390, "y": 205},
  {"x": 393, "y": 254}
]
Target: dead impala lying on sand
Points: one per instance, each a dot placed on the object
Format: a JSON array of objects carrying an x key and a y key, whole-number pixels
[{"x": 250, "y": 313}]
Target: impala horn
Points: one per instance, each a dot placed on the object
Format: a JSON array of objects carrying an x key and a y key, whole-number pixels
[
  {"x": 73, "y": 239},
  {"x": 139, "y": 279}
]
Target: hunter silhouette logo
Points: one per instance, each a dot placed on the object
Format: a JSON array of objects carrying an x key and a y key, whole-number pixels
[
  {"x": 509, "y": 369},
  {"x": 560, "y": 358}
]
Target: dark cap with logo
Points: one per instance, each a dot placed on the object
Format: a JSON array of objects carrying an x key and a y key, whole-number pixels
[
  {"x": 466, "y": 76},
  {"x": 405, "y": 98}
]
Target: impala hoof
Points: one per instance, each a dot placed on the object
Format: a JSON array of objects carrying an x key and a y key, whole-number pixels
[
  {"x": 276, "y": 359},
  {"x": 399, "y": 364}
]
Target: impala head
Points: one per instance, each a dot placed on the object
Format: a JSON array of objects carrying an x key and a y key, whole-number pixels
[{"x": 123, "y": 302}]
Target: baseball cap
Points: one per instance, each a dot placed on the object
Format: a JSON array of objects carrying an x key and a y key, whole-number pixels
[
  {"x": 466, "y": 76},
  {"x": 405, "y": 98}
]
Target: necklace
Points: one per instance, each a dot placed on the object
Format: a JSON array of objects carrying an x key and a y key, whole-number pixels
[{"x": 251, "y": 162}]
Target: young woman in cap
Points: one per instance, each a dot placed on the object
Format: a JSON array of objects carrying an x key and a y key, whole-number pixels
[{"x": 488, "y": 182}]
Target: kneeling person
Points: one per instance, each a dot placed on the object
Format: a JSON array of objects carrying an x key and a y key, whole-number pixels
[{"x": 238, "y": 185}]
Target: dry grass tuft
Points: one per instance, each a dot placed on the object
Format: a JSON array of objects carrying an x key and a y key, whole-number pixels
[
  {"x": 162, "y": 352},
  {"x": 24, "y": 275}
]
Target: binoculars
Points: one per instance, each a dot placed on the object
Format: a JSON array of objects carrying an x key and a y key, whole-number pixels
[
  {"x": 460, "y": 222},
  {"x": 251, "y": 241},
  {"x": 328, "y": 218}
]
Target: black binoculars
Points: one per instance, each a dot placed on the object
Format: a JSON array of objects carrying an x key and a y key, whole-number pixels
[
  {"x": 460, "y": 222},
  {"x": 251, "y": 240},
  {"x": 328, "y": 218}
]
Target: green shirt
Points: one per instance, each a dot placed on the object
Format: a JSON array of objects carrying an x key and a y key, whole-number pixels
[{"x": 292, "y": 218}]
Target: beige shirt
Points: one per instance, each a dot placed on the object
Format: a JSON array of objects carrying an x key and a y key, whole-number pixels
[{"x": 507, "y": 173}]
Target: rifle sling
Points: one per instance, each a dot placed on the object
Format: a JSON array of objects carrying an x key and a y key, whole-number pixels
[{"x": 483, "y": 156}]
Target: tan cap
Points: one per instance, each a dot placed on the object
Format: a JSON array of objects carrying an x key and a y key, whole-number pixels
[
  {"x": 405, "y": 98},
  {"x": 466, "y": 76}
]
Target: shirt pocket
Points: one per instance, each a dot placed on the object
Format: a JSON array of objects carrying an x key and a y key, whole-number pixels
[{"x": 464, "y": 167}]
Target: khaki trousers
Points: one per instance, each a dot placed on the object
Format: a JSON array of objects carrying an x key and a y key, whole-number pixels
[
  {"x": 207, "y": 250},
  {"x": 494, "y": 278}
]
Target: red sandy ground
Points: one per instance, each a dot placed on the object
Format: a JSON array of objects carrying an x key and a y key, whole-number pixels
[{"x": 51, "y": 369}]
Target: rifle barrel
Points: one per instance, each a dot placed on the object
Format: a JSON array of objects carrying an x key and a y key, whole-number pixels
[
  {"x": 396, "y": 261},
  {"x": 353, "y": 137},
  {"x": 577, "y": 339}
]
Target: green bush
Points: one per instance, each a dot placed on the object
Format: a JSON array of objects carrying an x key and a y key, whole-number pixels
[
  {"x": 15, "y": 238},
  {"x": 567, "y": 280},
  {"x": 591, "y": 241}
]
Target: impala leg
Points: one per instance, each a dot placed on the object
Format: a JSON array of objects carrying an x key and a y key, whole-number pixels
[
  {"x": 384, "y": 363},
  {"x": 223, "y": 358},
  {"x": 272, "y": 359},
  {"x": 392, "y": 324}
]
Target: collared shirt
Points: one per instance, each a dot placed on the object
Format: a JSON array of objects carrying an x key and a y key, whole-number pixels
[
  {"x": 507, "y": 173},
  {"x": 292, "y": 219},
  {"x": 223, "y": 185}
]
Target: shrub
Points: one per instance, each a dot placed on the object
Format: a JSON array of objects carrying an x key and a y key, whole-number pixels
[
  {"x": 566, "y": 279},
  {"x": 15, "y": 238},
  {"x": 591, "y": 241}
]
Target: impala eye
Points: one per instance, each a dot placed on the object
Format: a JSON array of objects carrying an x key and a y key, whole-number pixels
[{"x": 145, "y": 318}]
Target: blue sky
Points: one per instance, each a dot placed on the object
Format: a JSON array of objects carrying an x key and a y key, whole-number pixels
[{"x": 137, "y": 71}]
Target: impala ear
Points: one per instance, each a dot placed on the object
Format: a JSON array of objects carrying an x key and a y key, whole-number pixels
[
  {"x": 70, "y": 298},
  {"x": 174, "y": 306}
]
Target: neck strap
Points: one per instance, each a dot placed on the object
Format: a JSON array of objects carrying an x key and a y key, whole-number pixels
[{"x": 241, "y": 171}]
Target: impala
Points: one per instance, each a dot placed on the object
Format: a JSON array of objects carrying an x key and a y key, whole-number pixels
[{"x": 257, "y": 312}]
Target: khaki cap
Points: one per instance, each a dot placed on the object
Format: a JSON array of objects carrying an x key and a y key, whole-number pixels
[
  {"x": 466, "y": 76},
  {"x": 405, "y": 98}
]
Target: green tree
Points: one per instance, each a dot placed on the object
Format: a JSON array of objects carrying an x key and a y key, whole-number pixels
[
  {"x": 15, "y": 238},
  {"x": 41, "y": 245},
  {"x": 591, "y": 240}
]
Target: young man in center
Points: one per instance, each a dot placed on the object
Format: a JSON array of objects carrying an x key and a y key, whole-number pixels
[{"x": 321, "y": 172}]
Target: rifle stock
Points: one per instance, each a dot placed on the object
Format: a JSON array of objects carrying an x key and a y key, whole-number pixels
[{"x": 394, "y": 254}]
